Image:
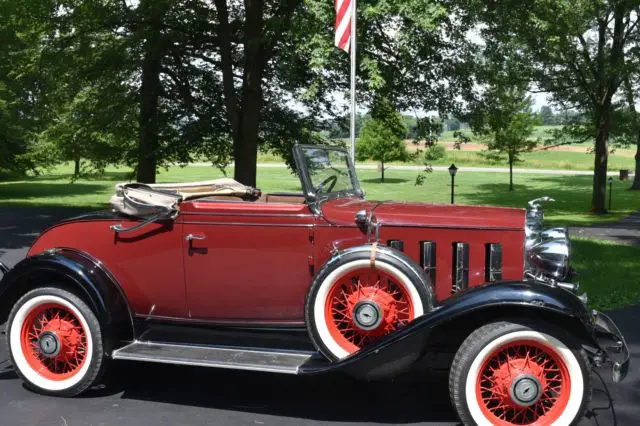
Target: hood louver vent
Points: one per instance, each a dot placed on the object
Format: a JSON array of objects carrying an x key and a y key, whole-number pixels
[
  {"x": 428, "y": 259},
  {"x": 460, "y": 267}
]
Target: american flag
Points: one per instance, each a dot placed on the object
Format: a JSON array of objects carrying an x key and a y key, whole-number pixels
[{"x": 343, "y": 24}]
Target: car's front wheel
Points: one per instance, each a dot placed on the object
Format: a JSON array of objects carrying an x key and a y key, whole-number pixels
[
  {"x": 55, "y": 342},
  {"x": 520, "y": 374}
]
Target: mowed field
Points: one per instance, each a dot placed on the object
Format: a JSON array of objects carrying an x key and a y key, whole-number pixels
[{"x": 473, "y": 154}]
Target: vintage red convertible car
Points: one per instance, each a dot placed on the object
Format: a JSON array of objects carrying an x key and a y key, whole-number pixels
[{"x": 218, "y": 275}]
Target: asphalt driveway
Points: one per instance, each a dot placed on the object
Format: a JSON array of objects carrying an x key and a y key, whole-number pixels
[{"x": 149, "y": 394}]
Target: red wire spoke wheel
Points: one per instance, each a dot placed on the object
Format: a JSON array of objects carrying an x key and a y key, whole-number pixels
[
  {"x": 54, "y": 342},
  {"x": 507, "y": 374},
  {"x": 364, "y": 305},
  {"x": 523, "y": 383},
  {"x": 355, "y": 301}
]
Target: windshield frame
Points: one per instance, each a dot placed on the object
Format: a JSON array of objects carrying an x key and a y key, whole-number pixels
[{"x": 307, "y": 184}]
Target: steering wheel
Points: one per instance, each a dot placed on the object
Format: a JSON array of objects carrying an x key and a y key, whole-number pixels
[{"x": 331, "y": 181}]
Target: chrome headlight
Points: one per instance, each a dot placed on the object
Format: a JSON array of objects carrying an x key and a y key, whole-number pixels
[
  {"x": 550, "y": 258},
  {"x": 547, "y": 251},
  {"x": 534, "y": 225},
  {"x": 554, "y": 234}
]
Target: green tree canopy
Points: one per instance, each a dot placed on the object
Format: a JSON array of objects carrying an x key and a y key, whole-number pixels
[
  {"x": 580, "y": 51},
  {"x": 383, "y": 137},
  {"x": 506, "y": 120},
  {"x": 158, "y": 82}
]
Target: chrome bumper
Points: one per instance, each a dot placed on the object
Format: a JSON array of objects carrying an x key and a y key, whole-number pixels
[{"x": 614, "y": 349}]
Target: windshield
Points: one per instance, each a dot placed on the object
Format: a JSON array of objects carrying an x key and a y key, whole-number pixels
[{"x": 326, "y": 170}]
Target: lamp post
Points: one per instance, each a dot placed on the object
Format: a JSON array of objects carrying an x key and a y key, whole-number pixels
[
  {"x": 610, "y": 191},
  {"x": 453, "y": 170}
]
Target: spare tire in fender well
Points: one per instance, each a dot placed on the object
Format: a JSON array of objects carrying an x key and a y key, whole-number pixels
[
  {"x": 397, "y": 260},
  {"x": 80, "y": 273}
]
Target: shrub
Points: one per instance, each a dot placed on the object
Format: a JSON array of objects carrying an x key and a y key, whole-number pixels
[{"x": 435, "y": 153}]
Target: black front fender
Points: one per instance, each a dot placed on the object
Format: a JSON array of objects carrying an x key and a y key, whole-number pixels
[
  {"x": 466, "y": 311},
  {"x": 80, "y": 273}
]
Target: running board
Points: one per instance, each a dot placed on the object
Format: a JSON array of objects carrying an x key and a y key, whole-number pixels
[{"x": 286, "y": 362}]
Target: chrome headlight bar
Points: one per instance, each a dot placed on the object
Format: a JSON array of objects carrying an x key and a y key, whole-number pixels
[{"x": 547, "y": 251}]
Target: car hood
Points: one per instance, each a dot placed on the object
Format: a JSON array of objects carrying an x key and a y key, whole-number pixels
[{"x": 342, "y": 212}]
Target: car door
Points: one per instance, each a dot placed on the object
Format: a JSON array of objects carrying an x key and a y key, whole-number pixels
[{"x": 247, "y": 262}]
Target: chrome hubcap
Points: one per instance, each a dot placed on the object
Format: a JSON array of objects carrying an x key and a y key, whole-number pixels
[
  {"x": 526, "y": 390},
  {"x": 49, "y": 344},
  {"x": 367, "y": 315}
]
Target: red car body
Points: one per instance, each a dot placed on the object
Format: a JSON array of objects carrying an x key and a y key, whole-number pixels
[{"x": 258, "y": 259}]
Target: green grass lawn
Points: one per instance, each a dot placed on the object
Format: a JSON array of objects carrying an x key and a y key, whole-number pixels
[
  {"x": 607, "y": 272},
  {"x": 573, "y": 193}
]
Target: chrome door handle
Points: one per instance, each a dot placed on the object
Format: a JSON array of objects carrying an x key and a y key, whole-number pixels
[{"x": 195, "y": 237}]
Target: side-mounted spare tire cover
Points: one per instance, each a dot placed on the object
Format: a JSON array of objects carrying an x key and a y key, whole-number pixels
[{"x": 363, "y": 294}]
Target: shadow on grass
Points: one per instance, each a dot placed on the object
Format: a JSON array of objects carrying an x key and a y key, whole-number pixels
[
  {"x": 386, "y": 180},
  {"x": 106, "y": 176},
  {"x": 33, "y": 189},
  {"x": 572, "y": 195}
]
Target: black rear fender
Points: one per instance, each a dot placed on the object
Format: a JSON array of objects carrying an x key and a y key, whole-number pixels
[
  {"x": 79, "y": 273},
  {"x": 450, "y": 323}
]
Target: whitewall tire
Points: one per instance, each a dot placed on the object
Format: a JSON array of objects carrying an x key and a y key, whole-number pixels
[
  {"x": 352, "y": 304},
  {"x": 508, "y": 373},
  {"x": 55, "y": 342}
]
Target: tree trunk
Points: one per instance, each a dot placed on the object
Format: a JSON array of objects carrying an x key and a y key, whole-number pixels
[
  {"x": 76, "y": 167},
  {"x": 598, "y": 202},
  {"x": 631, "y": 101},
  {"x": 510, "y": 172},
  {"x": 382, "y": 171},
  {"x": 636, "y": 179},
  {"x": 245, "y": 147},
  {"x": 226, "y": 59},
  {"x": 150, "y": 92}
]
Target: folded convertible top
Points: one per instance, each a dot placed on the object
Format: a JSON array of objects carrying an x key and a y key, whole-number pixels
[{"x": 150, "y": 200}]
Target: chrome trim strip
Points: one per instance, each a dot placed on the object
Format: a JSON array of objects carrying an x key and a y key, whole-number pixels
[
  {"x": 3, "y": 268},
  {"x": 245, "y": 324},
  {"x": 285, "y": 362},
  {"x": 453, "y": 227}
]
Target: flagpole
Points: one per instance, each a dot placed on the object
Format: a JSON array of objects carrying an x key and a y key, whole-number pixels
[{"x": 353, "y": 80}]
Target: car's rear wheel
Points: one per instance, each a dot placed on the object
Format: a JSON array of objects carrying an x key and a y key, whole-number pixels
[
  {"x": 514, "y": 374},
  {"x": 353, "y": 301},
  {"x": 55, "y": 342}
]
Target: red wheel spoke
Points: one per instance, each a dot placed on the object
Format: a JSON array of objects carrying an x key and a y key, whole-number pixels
[
  {"x": 59, "y": 323},
  {"x": 512, "y": 362},
  {"x": 366, "y": 285}
]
